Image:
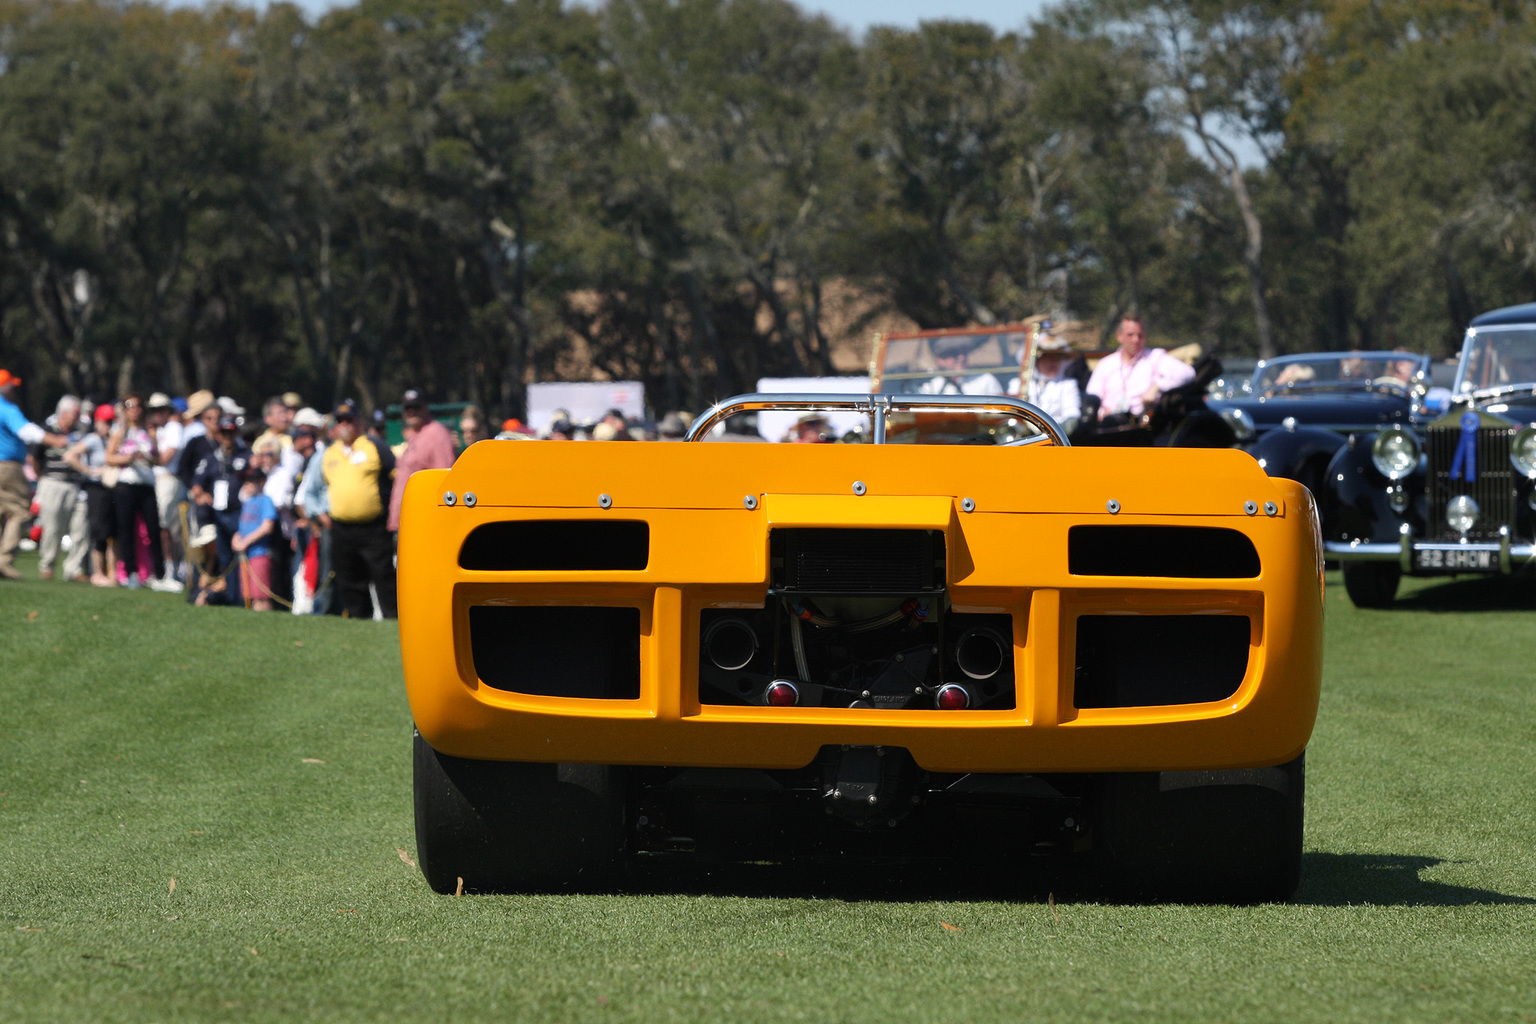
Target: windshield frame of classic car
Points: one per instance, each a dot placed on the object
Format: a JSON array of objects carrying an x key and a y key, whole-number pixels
[{"x": 856, "y": 651}]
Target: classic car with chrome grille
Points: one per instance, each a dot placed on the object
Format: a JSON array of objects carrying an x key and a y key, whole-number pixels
[
  {"x": 854, "y": 653},
  {"x": 1454, "y": 495}
]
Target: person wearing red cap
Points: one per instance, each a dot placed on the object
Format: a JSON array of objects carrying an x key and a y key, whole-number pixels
[{"x": 16, "y": 434}]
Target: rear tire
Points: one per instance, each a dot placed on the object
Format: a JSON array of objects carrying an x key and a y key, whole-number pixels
[
  {"x": 512, "y": 826},
  {"x": 1230, "y": 836},
  {"x": 1372, "y": 584}
]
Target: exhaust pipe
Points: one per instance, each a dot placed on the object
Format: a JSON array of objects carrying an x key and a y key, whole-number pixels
[
  {"x": 730, "y": 644},
  {"x": 981, "y": 653}
]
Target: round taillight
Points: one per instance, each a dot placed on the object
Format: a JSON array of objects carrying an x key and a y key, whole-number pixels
[
  {"x": 953, "y": 698},
  {"x": 782, "y": 694}
]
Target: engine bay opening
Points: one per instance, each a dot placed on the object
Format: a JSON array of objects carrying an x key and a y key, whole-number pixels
[{"x": 857, "y": 618}]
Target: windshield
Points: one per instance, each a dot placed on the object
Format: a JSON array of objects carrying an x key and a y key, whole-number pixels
[
  {"x": 1494, "y": 358},
  {"x": 979, "y": 363},
  {"x": 1338, "y": 369}
]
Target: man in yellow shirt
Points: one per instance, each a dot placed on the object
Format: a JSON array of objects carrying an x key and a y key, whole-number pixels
[{"x": 362, "y": 551}]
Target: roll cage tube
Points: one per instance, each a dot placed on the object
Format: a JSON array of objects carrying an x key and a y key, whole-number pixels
[{"x": 880, "y": 406}]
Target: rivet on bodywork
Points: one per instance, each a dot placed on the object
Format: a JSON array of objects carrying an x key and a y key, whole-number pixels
[
  {"x": 1113, "y": 507},
  {"x": 469, "y": 499},
  {"x": 604, "y": 501},
  {"x": 449, "y": 498},
  {"x": 1251, "y": 507},
  {"x": 750, "y": 501},
  {"x": 967, "y": 505},
  {"x": 859, "y": 488},
  {"x": 1270, "y": 508}
]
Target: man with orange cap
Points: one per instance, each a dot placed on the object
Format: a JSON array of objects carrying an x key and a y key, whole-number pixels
[{"x": 16, "y": 434}]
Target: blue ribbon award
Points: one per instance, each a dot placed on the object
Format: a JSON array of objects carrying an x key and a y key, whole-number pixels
[{"x": 1464, "y": 465}]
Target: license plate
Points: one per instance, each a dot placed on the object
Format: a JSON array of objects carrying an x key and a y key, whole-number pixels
[{"x": 1471, "y": 561}]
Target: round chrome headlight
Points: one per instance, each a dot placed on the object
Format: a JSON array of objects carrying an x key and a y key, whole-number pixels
[
  {"x": 1522, "y": 451},
  {"x": 1240, "y": 422},
  {"x": 1395, "y": 453},
  {"x": 1461, "y": 513}
]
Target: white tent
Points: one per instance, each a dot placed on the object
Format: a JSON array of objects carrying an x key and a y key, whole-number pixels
[
  {"x": 774, "y": 425},
  {"x": 585, "y": 401}
]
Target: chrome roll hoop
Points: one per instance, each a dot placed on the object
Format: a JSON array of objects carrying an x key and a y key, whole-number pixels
[{"x": 879, "y": 407}]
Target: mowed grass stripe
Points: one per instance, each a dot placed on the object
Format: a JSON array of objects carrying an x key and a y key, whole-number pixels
[{"x": 263, "y": 762}]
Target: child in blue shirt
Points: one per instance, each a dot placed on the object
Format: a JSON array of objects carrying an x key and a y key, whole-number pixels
[{"x": 258, "y": 532}]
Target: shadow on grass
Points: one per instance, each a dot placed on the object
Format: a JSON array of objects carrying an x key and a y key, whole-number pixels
[
  {"x": 1516, "y": 593},
  {"x": 916, "y": 882},
  {"x": 1327, "y": 880},
  {"x": 1385, "y": 880}
]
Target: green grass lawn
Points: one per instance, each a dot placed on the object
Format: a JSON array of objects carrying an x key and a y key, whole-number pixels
[{"x": 263, "y": 764}]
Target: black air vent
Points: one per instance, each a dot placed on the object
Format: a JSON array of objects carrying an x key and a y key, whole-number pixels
[
  {"x": 571, "y": 651},
  {"x": 858, "y": 561},
  {"x": 571, "y": 545},
  {"x": 1131, "y": 661},
  {"x": 1187, "y": 552}
]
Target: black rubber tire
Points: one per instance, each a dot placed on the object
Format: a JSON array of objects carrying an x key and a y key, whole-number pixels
[
  {"x": 511, "y": 826},
  {"x": 1230, "y": 836},
  {"x": 1372, "y": 584}
]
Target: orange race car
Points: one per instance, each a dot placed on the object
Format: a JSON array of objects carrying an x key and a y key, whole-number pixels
[{"x": 855, "y": 651}]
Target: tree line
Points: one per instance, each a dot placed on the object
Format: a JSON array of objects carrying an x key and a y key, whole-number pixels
[{"x": 465, "y": 195}]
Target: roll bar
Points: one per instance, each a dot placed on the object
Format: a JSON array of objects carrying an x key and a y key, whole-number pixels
[{"x": 880, "y": 406}]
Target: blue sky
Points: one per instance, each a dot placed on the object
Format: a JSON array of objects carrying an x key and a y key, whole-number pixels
[{"x": 860, "y": 14}]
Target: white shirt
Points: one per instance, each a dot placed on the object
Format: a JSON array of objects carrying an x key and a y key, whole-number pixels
[
  {"x": 169, "y": 439},
  {"x": 980, "y": 384},
  {"x": 1058, "y": 396}
]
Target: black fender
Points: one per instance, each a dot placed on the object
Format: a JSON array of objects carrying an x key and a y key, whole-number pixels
[
  {"x": 1358, "y": 497},
  {"x": 1289, "y": 453}
]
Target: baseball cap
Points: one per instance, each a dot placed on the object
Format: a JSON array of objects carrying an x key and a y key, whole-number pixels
[
  {"x": 347, "y": 410},
  {"x": 307, "y": 417},
  {"x": 159, "y": 400},
  {"x": 378, "y": 417},
  {"x": 104, "y": 413},
  {"x": 292, "y": 400},
  {"x": 8, "y": 379},
  {"x": 229, "y": 407},
  {"x": 411, "y": 397}
]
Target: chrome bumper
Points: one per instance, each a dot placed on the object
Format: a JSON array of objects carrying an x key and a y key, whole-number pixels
[{"x": 1464, "y": 557}]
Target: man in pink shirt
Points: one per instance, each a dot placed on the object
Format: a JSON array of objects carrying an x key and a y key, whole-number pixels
[
  {"x": 1130, "y": 381},
  {"x": 430, "y": 447}
]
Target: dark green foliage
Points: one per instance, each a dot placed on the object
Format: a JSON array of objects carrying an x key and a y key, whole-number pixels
[{"x": 472, "y": 194}]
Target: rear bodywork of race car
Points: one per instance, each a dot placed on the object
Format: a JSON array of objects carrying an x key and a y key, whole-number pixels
[{"x": 784, "y": 650}]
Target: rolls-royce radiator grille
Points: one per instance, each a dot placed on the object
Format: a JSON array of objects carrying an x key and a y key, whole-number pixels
[{"x": 1493, "y": 490}]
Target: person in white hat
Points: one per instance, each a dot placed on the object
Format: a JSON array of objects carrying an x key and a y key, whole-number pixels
[
  {"x": 1050, "y": 388},
  {"x": 169, "y": 492}
]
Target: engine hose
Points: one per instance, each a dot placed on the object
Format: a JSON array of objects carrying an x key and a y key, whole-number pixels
[{"x": 797, "y": 641}]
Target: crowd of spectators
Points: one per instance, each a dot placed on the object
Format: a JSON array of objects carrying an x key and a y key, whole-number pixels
[{"x": 297, "y": 510}]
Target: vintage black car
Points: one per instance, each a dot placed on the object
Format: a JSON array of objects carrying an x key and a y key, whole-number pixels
[
  {"x": 1455, "y": 493},
  {"x": 1295, "y": 412}
]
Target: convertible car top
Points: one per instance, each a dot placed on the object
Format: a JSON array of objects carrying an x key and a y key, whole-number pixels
[{"x": 859, "y": 651}]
